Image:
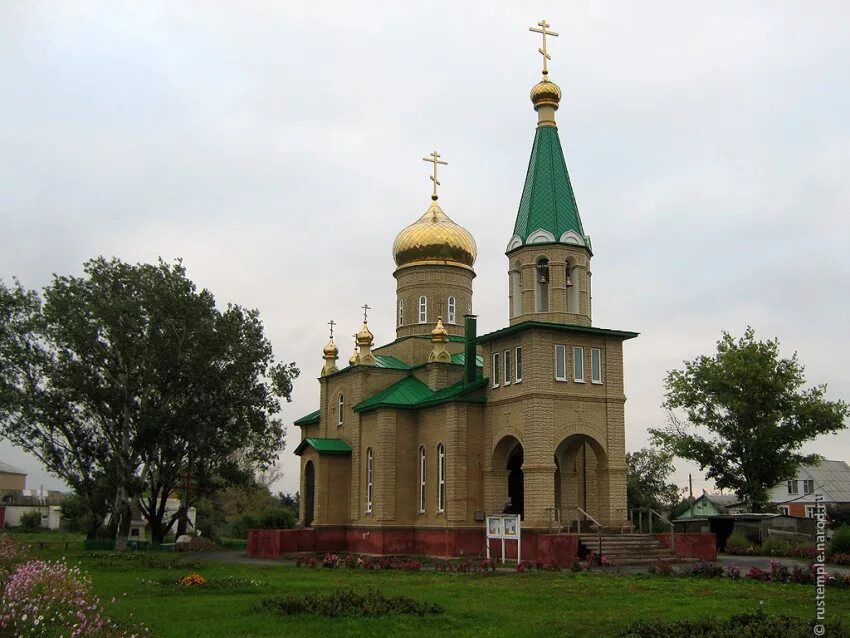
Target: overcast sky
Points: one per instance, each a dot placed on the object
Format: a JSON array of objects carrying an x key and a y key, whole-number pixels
[{"x": 276, "y": 147}]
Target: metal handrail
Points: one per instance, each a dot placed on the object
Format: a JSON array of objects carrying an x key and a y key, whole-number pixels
[
  {"x": 664, "y": 520},
  {"x": 598, "y": 529}
]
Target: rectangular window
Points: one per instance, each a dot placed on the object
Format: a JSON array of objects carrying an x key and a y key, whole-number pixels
[
  {"x": 792, "y": 487},
  {"x": 578, "y": 364},
  {"x": 595, "y": 365},
  {"x": 812, "y": 510},
  {"x": 441, "y": 478},
  {"x": 783, "y": 509},
  {"x": 518, "y": 365},
  {"x": 369, "y": 480},
  {"x": 401, "y": 312},
  {"x": 422, "y": 479},
  {"x": 507, "y": 367},
  {"x": 808, "y": 486},
  {"x": 561, "y": 363},
  {"x": 496, "y": 371}
]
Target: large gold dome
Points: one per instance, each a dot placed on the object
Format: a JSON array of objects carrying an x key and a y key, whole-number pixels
[{"x": 435, "y": 238}]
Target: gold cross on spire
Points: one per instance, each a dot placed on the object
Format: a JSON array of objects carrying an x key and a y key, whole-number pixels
[
  {"x": 435, "y": 159},
  {"x": 332, "y": 323},
  {"x": 544, "y": 51},
  {"x": 366, "y": 309}
]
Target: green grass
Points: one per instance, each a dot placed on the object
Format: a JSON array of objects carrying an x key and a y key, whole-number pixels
[
  {"x": 493, "y": 605},
  {"x": 510, "y": 604}
]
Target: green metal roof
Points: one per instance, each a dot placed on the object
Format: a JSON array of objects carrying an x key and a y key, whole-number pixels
[
  {"x": 387, "y": 361},
  {"x": 410, "y": 393},
  {"x": 308, "y": 419},
  {"x": 324, "y": 446},
  {"x": 559, "y": 327},
  {"x": 548, "y": 202},
  {"x": 459, "y": 359},
  {"x": 405, "y": 393}
]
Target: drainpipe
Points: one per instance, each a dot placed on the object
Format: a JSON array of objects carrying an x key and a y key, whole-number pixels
[{"x": 470, "y": 327}]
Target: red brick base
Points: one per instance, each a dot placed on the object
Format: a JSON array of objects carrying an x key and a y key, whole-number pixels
[
  {"x": 273, "y": 543},
  {"x": 692, "y": 545}
]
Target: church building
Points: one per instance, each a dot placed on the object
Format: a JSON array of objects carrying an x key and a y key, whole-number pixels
[{"x": 415, "y": 441}]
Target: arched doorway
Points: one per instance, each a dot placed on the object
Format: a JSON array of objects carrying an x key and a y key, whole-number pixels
[
  {"x": 581, "y": 479},
  {"x": 309, "y": 493},
  {"x": 516, "y": 483},
  {"x": 507, "y": 476}
]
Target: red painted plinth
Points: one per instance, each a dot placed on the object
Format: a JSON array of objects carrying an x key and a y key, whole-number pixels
[
  {"x": 273, "y": 543},
  {"x": 692, "y": 545}
]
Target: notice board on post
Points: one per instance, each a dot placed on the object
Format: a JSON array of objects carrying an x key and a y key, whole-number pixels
[{"x": 504, "y": 527}]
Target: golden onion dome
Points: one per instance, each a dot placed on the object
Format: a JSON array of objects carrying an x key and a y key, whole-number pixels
[
  {"x": 331, "y": 349},
  {"x": 545, "y": 93},
  {"x": 365, "y": 336},
  {"x": 435, "y": 238}
]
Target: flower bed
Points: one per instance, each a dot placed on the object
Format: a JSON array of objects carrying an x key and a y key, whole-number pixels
[
  {"x": 349, "y": 603},
  {"x": 42, "y": 598},
  {"x": 355, "y": 561},
  {"x": 778, "y": 573}
]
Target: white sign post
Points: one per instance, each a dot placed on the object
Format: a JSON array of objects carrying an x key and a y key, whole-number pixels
[{"x": 504, "y": 527}]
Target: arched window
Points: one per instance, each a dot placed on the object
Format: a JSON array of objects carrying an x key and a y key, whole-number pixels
[
  {"x": 422, "y": 478},
  {"x": 441, "y": 478},
  {"x": 541, "y": 275},
  {"x": 340, "y": 414},
  {"x": 516, "y": 291},
  {"x": 572, "y": 287},
  {"x": 368, "y": 480},
  {"x": 423, "y": 309},
  {"x": 401, "y": 312},
  {"x": 452, "y": 310}
]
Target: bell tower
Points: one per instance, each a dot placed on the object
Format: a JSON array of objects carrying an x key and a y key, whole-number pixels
[{"x": 549, "y": 253}]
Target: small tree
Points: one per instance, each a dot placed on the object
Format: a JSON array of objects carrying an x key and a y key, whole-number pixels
[
  {"x": 646, "y": 479},
  {"x": 31, "y": 521},
  {"x": 755, "y": 410}
]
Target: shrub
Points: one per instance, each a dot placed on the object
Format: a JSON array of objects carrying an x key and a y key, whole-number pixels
[
  {"x": 840, "y": 543},
  {"x": 197, "y": 544},
  {"x": 348, "y": 603},
  {"x": 733, "y": 572},
  {"x": 274, "y": 518},
  {"x": 661, "y": 568},
  {"x": 707, "y": 569},
  {"x": 31, "y": 521},
  {"x": 776, "y": 547},
  {"x": 758, "y": 624},
  {"x": 737, "y": 543},
  {"x": 757, "y": 573},
  {"x": 46, "y": 598}
]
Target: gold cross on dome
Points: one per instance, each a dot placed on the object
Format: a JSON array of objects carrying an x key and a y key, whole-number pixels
[
  {"x": 435, "y": 159},
  {"x": 544, "y": 51},
  {"x": 366, "y": 309},
  {"x": 332, "y": 323}
]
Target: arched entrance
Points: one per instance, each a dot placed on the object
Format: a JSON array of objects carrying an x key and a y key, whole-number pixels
[
  {"x": 581, "y": 479},
  {"x": 508, "y": 475},
  {"x": 516, "y": 483},
  {"x": 309, "y": 493}
]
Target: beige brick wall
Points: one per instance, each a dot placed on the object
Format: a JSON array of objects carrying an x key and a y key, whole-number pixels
[{"x": 437, "y": 283}]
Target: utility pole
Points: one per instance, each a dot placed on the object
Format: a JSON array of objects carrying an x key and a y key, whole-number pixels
[{"x": 691, "y": 491}]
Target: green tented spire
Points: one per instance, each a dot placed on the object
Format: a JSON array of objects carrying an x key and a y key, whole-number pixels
[{"x": 548, "y": 203}]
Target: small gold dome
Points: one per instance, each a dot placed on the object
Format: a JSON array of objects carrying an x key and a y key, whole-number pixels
[
  {"x": 435, "y": 238},
  {"x": 439, "y": 334},
  {"x": 545, "y": 93},
  {"x": 365, "y": 336},
  {"x": 331, "y": 350}
]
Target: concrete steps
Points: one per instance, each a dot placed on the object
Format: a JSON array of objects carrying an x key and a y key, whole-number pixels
[{"x": 629, "y": 549}]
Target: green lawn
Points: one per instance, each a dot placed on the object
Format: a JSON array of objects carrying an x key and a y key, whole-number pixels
[{"x": 511, "y": 604}]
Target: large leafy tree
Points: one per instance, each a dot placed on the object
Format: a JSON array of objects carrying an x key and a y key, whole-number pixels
[
  {"x": 128, "y": 380},
  {"x": 647, "y": 476},
  {"x": 743, "y": 415}
]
